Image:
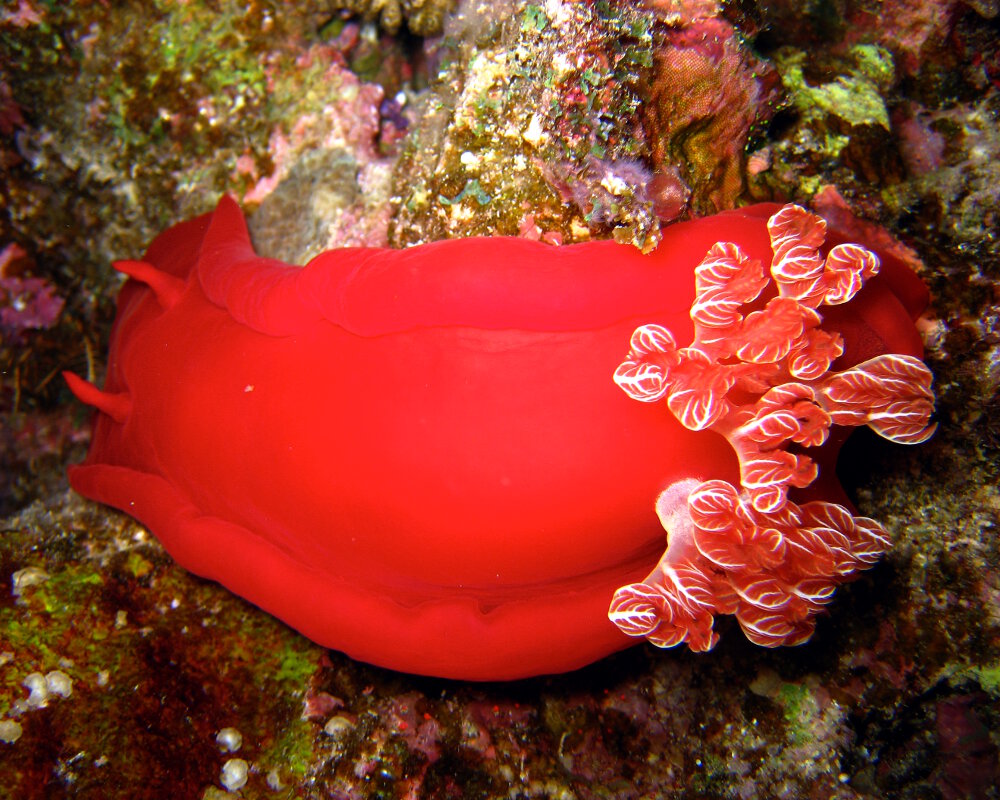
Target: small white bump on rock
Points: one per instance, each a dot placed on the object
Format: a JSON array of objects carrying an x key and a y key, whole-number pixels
[
  {"x": 229, "y": 740},
  {"x": 234, "y": 774}
]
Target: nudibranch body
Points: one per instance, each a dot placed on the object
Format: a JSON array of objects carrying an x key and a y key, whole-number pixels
[{"x": 420, "y": 457}]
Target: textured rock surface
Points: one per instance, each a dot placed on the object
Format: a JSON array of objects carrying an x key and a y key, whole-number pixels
[{"x": 170, "y": 104}]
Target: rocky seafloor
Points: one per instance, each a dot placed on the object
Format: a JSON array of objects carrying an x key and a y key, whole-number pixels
[{"x": 338, "y": 124}]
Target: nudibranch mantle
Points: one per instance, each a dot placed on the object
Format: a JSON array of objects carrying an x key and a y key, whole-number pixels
[{"x": 419, "y": 457}]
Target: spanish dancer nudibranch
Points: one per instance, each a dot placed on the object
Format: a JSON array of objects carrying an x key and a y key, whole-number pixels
[{"x": 421, "y": 457}]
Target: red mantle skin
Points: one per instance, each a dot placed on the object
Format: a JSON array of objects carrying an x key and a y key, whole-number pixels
[{"x": 419, "y": 457}]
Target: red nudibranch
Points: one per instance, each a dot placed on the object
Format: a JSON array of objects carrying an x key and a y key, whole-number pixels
[{"x": 421, "y": 458}]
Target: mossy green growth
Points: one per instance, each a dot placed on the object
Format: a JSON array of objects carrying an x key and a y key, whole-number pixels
[
  {"x": 298, "y": 660},
  {"x": 875, "y": 62},
  {"x": 199, "y": 43},
  {"x": 284, "y": 660},
  {"x": 138, "y": 565},
  {"x": 33, "y": 652},
  {"x": 855, "y": 96},
  {"x": 66, "y": 591},
  {"x": 203, "y": 72},
  {"x": 294, "y": 748},
  {"x": 799, "y": 709},
  {"x": 988, "y": 677},
  {"x": 44, "y": 630},
  {"x": 534, "y": 18}
]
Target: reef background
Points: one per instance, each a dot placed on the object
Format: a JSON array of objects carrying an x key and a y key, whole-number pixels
[{"x": 396, "y": 122}]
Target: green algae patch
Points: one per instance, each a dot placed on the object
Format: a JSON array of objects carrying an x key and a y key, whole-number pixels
[
  {"x": 987, "y": 676},
  {"x": 68, "y": 593},
  {"x": 298, "y": 662},
  {"x": 138, "y": 565},
  {"x": 856, "y": 97}
]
